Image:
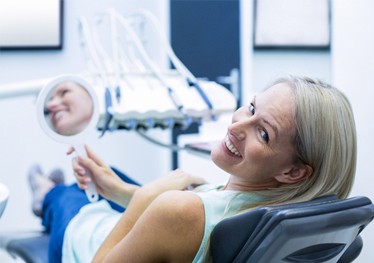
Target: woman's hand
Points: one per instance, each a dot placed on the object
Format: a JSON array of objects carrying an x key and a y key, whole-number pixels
[
  {"x": 174, "y": 180},
  {"x": 108, "y": 184}
]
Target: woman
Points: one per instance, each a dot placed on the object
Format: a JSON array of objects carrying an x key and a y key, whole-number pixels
[
  {"x": 69, "y": 108},
  {"x": 295, "y": 141}
]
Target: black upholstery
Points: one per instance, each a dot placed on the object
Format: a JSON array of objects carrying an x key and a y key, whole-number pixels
[
  {"x": 320, "y": 230},
  {"x": 353, "y": 251}
]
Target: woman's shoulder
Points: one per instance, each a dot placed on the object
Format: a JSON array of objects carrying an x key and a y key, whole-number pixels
[
  {"x": 181, "y": 209},
  {"x": 178, "y": 203}
]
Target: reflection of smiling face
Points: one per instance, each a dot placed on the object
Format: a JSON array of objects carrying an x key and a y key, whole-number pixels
[{"x": 70, "y": 108}]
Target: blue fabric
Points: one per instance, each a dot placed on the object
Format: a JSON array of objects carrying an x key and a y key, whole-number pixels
[{"x": 60, "y": 205}]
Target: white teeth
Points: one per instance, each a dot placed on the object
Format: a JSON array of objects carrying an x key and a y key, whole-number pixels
[
  {"x": 231, "y": 147},
  {"x": 58, "y": 115}
]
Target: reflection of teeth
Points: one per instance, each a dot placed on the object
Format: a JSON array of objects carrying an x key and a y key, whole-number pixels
[
  {"x": 58, "y": 115},
  {"x": 231, "y": 147}
]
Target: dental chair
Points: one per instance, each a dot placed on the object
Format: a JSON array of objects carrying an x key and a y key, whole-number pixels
[{"x": 326, "y": 229}]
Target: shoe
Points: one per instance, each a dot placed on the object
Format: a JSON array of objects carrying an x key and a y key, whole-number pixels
[
  {"x": 34, "y": 170},
  {"x": 57, "y": 176},
  {"x": 40, "y": 186}
]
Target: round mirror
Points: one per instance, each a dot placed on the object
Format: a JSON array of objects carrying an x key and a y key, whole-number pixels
[{"x": 67, "y": 110}]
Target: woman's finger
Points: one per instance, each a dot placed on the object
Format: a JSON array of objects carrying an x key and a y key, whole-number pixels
[
  {"x": 70, "y": 151},
  {"x": 197, "y": 180},
  {"x": 190, "y": 179},
  {"x": 90, "y": 165},
  {"x": 79, "y": 169},
  {"x": 96, "y": 158},
  {"x": 82, "y": 181}
]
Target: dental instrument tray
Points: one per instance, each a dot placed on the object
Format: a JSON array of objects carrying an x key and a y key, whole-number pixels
[{"x": 144, "y": 103}]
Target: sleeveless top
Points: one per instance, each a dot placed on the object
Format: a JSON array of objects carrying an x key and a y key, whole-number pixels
[
  {"x": 89, "y": 228},
  {"x": 219, "y": 205}
]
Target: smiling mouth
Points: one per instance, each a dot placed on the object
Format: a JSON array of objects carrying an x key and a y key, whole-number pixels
[
  {"x": 231, "y": 147},
  {"x": 57, "y": 116}
]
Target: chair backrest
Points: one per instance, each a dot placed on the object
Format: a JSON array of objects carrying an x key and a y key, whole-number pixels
[{"x": 319, "y": 230}]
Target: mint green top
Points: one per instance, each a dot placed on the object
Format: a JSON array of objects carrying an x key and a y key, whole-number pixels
[{"x": 219, "y": 204}]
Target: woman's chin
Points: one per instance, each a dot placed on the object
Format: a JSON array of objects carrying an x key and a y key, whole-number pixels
[{"x": 65, "y": 131}]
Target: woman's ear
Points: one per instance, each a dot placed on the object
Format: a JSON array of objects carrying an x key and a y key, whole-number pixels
[{"x": 295, "y": 174}]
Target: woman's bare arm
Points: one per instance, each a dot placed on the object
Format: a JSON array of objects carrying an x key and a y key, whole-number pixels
[
  {"x": 170, "y": 229},
  {"x": 159, "y": 213}
]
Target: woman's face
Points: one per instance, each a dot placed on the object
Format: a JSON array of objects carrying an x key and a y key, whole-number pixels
[
  {"x": 258, "y": 145},
  {"x": 70, "y": 108}
]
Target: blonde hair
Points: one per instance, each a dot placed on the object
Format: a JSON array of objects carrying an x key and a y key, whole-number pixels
[{"x": 325, "y": 139}]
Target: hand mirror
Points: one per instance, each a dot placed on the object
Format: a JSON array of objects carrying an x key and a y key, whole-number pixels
[{"x": 68, "y": 110}]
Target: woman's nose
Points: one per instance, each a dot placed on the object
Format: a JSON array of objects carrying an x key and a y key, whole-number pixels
[
  {"x": 51, "y": 104},
  {"x": 238, "y": 129}
]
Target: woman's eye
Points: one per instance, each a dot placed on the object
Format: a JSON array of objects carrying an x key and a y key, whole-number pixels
[
  {"x": 63, "y": 92},
  {"x": 263, "y": 133},
  {"x": 264, "y": 136},
  {"x": 252, "y": 108}
]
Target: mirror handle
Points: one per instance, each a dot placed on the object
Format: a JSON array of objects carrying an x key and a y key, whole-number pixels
[{"x": 91, "y": 191}]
